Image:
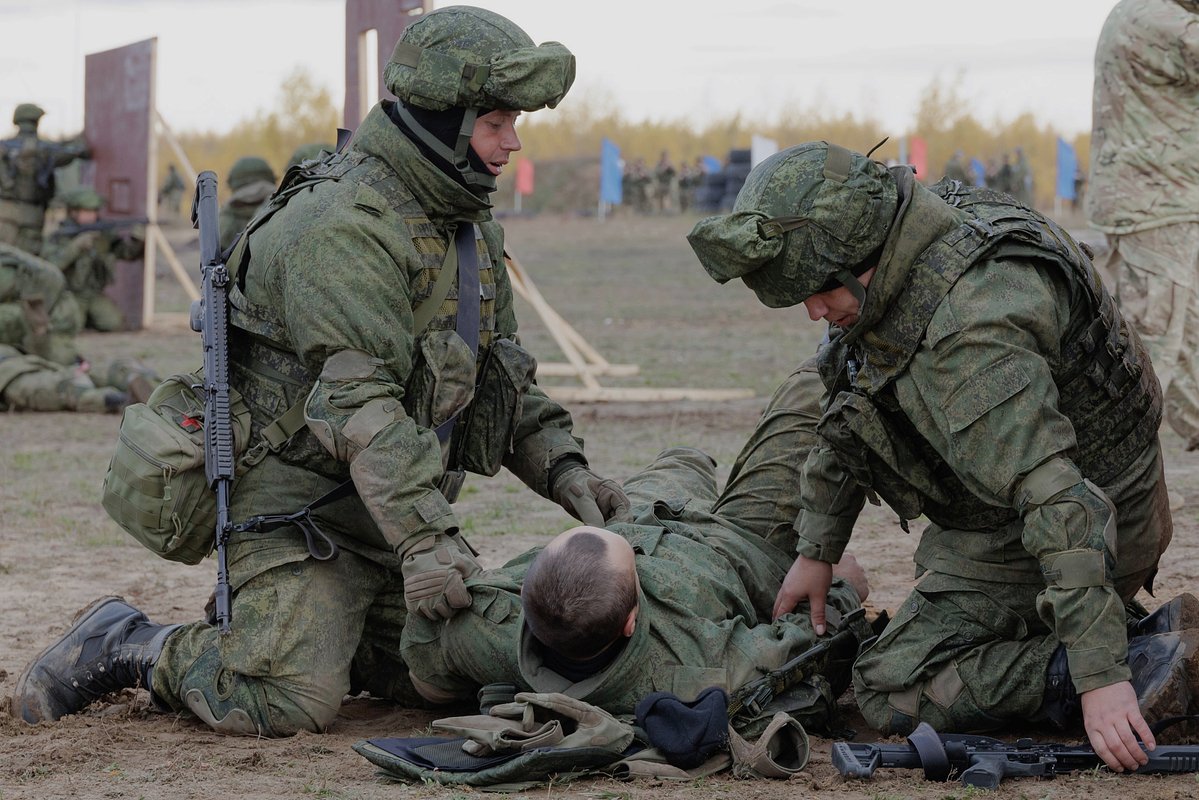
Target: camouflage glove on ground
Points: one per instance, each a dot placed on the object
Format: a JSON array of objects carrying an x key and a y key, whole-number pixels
[
  {"x": 589, "y": 498},
  {"x": 434, "y": 572}
]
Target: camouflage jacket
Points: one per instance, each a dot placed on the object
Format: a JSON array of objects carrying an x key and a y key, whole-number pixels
[
  {"x": 339, "y": 269},
  {"x": 706, "y": 591},
  {"x": 37, "y": 315},
  {"x": 990, "y": 388},
  {"x": 86, "y": 258},
  {"x": 1144, "y": 140}
]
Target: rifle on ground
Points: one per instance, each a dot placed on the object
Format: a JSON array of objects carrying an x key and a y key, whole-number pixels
[
  {"x": 752, "y": 698},
  {"x": 983, "y": 762},
  {"x": 210, "y": 316}
]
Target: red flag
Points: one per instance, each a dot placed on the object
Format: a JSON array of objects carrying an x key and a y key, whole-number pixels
[
  {"x": 918, "y": 155},
  {"x": 524, "y": 177}
]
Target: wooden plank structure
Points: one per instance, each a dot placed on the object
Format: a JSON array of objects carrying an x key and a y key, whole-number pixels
[
  {"x": 585, "y": 364},
  {"x": 380, "y": 22}
]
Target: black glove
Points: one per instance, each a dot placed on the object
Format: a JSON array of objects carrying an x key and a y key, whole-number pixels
[{"x": 589, "y": 498}]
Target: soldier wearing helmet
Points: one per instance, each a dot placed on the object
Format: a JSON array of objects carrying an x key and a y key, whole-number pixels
[
  {"x": 978, "y": 374},
  {"x": 27, "y": 165},
  {"x": 370, "y": 298},
  {"x": 252, "y": 182},
  {"x": 87, "y": 249}
]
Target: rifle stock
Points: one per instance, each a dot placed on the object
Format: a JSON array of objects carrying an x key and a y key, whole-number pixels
[
  {"x": 984, "y": 762},
  {"x": 210, "y": 316}
]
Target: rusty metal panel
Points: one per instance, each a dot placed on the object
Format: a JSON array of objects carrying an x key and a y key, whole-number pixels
[
  {"x": 118, "y": 124},
  {"x": 389, "y": 18}
]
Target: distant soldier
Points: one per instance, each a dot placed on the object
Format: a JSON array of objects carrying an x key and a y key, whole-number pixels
[
  {"x": 171, "y": 192},
  {"x": 41, "y": 368},
  {"x": 86, "y": 249},
  {"x": 308, "y": 152},
  {"x": 955, "y": 169},
  {"x": 666, "y": 187},
  {"x": 27, "y": 165},
  {"x": 30, "y": 383},
  {"x": 252, "y": 181},
  {"x": 1021, "y": 179}
]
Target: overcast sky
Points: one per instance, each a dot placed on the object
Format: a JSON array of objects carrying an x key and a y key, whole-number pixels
[{"x": 220, "y": 61}]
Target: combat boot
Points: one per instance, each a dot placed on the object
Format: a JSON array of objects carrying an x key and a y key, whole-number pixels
[
  {"x": 1180, "y": 614},
  {"x": 1162, "y": 665},
  {"x": 110, "y": 646}
]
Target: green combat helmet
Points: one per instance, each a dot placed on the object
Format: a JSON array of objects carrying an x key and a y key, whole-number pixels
[
  {"x": 806, "y": 221},
  {"x": 247, "y": 170},
  {"x": 470, "y": 58},
  {"x": 83, "y": 197},
  {"x": 28, "y": 113}
]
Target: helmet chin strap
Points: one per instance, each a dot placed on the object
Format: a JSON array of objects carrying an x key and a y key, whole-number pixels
[
  {"x": 851, "y": 282},
  {"x": 457, "y": 156}
]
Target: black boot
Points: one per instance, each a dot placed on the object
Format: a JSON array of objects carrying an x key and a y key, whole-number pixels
[
  {"x": 1161, "y": 673},
  {"x": 110, "y": 646},
  {"x": 1061, "y": 702},
  {"x": 1179, "y": 614}
]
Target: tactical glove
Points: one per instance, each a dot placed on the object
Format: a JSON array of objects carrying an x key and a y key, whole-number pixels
[
  {"x": 434, "y": 572},
  {"x": 589, "y": 498}
]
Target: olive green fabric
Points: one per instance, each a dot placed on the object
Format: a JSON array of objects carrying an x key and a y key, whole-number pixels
[
  {"x": 804, "y": 215},
  {"x": 339, "y": 267},
  {"x": 84, "y": 197},
  {"x": 87, "y": 259},
  {"x": 29, "y": 383},
  {"x": 38, "y": 316},
  {"x": 27, "y": 165},
  {"x": 249, "y": 169},
  {"x": 709, "y": 567},
  {"x": 308, "y": 152},
  {"x": 466, "y": 57},
  {"x": 241, "y": 207},
  {"x": 27, "y": 112},
  {"x": 954, "y": 371}
]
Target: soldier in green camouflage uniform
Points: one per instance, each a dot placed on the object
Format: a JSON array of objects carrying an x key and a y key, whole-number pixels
[
  {"x": 38, "y": 316},
  {"x": 252, "y": 181},
  {"x": 978, "y": 374},
  {"x": 707, "y": 567},
  {"x": 29, "y": 383},
  {"x": 1144, "y": 187},
  {"x": 86, "y": 249},
  {"x": 27, "y": 165},
  {"x": 323, "y": 321}
]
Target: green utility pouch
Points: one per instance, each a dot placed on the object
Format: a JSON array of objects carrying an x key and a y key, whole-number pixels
[
  {"x": 155, "y": 487},
  {"x": 442, "y": 381},
  {"x": 489, "y": 424}
]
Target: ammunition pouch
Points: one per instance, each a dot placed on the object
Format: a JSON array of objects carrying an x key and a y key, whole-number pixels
[{"x": 488, "y": 430}]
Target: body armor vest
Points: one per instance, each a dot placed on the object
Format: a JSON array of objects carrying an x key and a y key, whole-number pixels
[
  {"x": 265, "y": 368},
  {"x": 1105, "y": 390}
]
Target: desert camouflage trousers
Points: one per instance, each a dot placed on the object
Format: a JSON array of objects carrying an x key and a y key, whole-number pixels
[
  {"x": 967, "y": 654},
  {"x": 1157, "y": 287},
  {"x": 305, "y": 633}
]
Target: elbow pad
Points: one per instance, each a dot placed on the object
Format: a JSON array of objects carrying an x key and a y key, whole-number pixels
[
  {"x": 1082, "y": 513},
  {"x": 345, "y": 410}
]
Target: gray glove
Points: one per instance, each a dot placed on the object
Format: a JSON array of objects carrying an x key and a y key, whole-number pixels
[
  {"x": 589, "y": 498},
  {"x": 435, "y": 570}
]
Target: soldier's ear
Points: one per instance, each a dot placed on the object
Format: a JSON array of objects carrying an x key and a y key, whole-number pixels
[{"x": 630, "y": 623}]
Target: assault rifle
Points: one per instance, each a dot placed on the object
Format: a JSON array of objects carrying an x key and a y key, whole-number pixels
[
  {"x": 752, "y": 698},
  {"x": 210, "y": 316},
  {"x": 983, "y": 762}
]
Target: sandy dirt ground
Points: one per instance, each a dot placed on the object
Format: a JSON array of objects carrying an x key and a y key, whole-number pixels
[{"x": 58, "y": 550}]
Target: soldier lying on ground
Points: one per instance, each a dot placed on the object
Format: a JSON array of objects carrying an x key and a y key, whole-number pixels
[{"x": 677, "y": 600}]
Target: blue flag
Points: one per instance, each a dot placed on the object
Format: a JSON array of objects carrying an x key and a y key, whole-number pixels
[
  {"x": 979, "y": 169},
  {"x": 611, "y": 176},
  {"x": 1067, "y": 168},
  {"x": 712, "y": 165}
]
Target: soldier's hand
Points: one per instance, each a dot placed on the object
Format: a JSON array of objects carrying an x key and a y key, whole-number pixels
[
  {"x": 435, "y": 571},
  {"x": 590, "y": 499},
  {"x": 1113, "y": 720},
  {"x": 808, "y": 579}
]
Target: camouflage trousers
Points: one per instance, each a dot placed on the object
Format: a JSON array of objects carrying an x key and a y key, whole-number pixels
[
  {"x": 30, "y": 383},
  {"x": 967, "y": 651},
  {"x": 99, "y": 313},
  {"x": 1157, "y": 286}
]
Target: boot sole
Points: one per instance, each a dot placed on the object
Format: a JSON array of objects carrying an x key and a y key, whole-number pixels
[{"x": 41, "y": 714}]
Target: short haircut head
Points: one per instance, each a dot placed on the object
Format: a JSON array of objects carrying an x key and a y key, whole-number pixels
[{"x": 576, "y": 599}]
